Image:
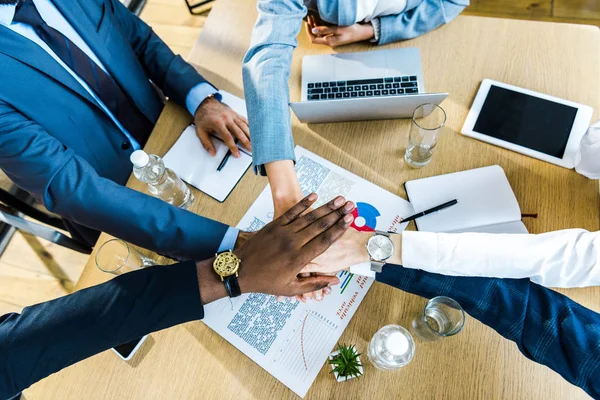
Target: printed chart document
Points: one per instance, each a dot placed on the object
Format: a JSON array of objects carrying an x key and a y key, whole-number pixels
[
  {"x": 290, "y": 339},
  {"x": 195, "y": 166}
]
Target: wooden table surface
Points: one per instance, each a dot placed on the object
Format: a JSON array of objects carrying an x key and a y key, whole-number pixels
[{"x": 192, "y": 362}]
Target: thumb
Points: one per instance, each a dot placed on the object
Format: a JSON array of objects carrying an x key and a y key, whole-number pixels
[
  {"x": 323, "y": 30},
  {"x": 205, "y": 140},
  {"x": 313, "y": 283}
]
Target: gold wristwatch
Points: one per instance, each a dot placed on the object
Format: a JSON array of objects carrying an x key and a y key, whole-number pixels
[{"x": 226, "y": 265}]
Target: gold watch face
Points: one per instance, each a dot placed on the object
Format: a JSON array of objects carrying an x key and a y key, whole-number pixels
[{"x": 226, "y": 264}]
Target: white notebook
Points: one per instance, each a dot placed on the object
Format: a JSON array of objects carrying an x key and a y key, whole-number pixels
[
  {"x": 486, "y": 202},
  {"x": 195, "y": 165}
]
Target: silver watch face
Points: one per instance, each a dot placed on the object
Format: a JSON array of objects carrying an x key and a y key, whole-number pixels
[{"x": 380, "y": 247}]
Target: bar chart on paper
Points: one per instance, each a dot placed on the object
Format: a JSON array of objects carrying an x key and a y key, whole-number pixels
[{"x": 289, "y": 339}]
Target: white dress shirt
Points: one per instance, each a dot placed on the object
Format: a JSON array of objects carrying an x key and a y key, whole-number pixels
[
  {"x": 568, "y": 258},
  {"x": 367, "y": 10}
]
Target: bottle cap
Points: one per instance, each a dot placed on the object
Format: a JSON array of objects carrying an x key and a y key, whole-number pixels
[
  {"x": 396, "y": 343},
  {"x": 139, "y": 158}
]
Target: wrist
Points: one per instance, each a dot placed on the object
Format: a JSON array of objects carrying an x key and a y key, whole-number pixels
[
  {"x": 210, "y": 284},
  {"x": 211, "y": 98},
  {"x": 395, "y": 258},
  {"x": 361, "y": 252},
  {"x": 241, "y": 239},
  {"x": 285, "y": 187},
  {"x": 367, "y": 31}
]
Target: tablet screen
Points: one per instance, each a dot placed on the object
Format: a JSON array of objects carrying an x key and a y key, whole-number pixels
[{"x": 525, "y": 120}]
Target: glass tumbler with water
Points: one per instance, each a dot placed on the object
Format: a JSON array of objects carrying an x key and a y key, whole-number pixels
[
  {"x": 392, "y": 347},
  {"x": 118, "y": 257},
  {"x": 441, "y": 317},
  {"x": 427, "y": 121}
]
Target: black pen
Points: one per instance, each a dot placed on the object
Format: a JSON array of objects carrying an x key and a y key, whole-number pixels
[
  {"x": 225, "y": 159},
  {"x": 431, "y": 210}
]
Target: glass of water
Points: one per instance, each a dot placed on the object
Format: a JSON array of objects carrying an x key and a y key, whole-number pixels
[
  {"x": 392, "y": 347},
  {"x": 118, "y": 257},
  {"x": 427, "y": 121},
  {"x": 441, "y": 317}
]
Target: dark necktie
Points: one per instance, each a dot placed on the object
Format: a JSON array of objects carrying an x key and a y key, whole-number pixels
[{"x": 99, "y": 81}]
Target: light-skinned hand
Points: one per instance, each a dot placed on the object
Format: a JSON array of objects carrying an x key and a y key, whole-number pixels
[
  {"x": 334, "y": 36},
  {"x": 212, "y": 116}
]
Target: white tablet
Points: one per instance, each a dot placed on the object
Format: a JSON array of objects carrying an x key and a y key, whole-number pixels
[{"x": 528, "y": 122}]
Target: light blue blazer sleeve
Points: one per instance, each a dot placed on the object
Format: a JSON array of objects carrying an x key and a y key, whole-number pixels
[
  {"x": 266, "y": 71},
  {"x": 421, "y": 17}
]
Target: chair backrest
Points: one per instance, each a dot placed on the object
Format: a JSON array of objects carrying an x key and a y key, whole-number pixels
[
  {"x": 22, "y": 208},
  {"x": 43, "y": 232}
]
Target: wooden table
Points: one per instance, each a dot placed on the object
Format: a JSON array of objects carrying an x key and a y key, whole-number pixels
[{"x": 192, "y": 362}]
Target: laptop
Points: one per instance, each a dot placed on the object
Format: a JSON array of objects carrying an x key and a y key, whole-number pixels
[{"x": 381, "y": 84}]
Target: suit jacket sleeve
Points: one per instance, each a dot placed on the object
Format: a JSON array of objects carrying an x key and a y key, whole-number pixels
[
  {"x": 421, "y": 17},
  {"x": 548, "y": 328},
  {"x": 169, "y": 72},
  {"x": 50, "y": 336},
  {"x": 67, "y": 185}
]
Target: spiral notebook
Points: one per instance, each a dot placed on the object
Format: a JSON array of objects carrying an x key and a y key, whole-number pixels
[
  {"x": 197, "y": 167},
  {"x": 486, "y": 202}
]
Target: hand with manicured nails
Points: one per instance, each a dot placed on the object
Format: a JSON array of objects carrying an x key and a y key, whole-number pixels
[
  {"x": 273, "y": 257},
  {"x": 334, "y": 36},
  {"x": 212, "y": 116}
]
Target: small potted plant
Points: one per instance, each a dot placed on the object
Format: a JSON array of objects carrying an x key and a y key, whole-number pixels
[{"x": 345, "y": 363}]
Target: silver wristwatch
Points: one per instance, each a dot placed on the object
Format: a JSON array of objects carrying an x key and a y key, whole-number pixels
[{"x": 380, "y": 248}]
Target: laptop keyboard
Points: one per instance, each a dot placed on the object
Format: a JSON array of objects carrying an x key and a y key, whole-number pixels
[{"x": 379, "y": 87}]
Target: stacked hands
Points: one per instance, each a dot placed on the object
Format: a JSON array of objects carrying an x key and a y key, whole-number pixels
[
  {"x": 314, "y": 245},
  {"x": 301, "y": 251}
]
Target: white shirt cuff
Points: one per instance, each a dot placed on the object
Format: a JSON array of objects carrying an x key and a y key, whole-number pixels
[
  {"x": 363, "y": 269},
  {"x": 228, "y": 242},
  {"x": 197, "y": 95}
]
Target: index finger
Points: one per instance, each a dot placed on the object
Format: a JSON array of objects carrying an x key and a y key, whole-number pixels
[
  {"x": 227, "y": 135},
  {"x": 293, "y": 213}
]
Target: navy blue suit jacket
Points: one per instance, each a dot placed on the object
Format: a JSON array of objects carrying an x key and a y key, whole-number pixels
[
  {"x": 548, "y": 328},
  {"x": 56, "y": 142}
]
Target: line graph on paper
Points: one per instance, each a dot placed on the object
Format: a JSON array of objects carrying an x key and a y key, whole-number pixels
[{"x": 300, "y": 350}]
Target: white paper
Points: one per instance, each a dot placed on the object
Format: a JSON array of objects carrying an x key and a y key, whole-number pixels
[
  {"x": 195, "y": 165},
  {"x": 291, "y": 340},
  {"x": 484, "y": 196}
]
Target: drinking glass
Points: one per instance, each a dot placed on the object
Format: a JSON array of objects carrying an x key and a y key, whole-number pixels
[
  {"x": 441, "y": 317},
  {"x": 392, "y": 347},
  {"x": 118, "y": 257},
  {"x": 427, "y": 121}
]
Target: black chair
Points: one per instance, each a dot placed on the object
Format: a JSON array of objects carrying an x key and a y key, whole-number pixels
[
  {"x": 13, "y": 208},
  {"x": 135, "y": 6},
  {"x": 193, "y": 7}
]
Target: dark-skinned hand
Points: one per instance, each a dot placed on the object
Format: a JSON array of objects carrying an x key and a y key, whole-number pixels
[{"x": 273, "y": 257}]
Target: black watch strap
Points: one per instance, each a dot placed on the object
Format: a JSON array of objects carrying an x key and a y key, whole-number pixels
[{"x": 232, "y": 286}]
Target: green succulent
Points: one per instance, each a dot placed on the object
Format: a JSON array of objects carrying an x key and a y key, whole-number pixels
[{"x": 346, "y": 362}]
